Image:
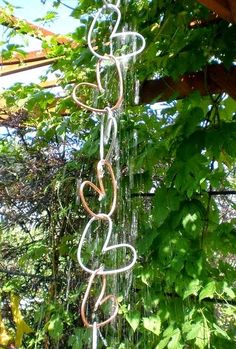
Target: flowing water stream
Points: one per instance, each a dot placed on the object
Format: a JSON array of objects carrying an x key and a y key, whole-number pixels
[{"x": 118, "y": 256}]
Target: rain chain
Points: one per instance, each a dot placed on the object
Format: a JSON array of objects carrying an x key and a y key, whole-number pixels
[{"x": 108, "y": 136}]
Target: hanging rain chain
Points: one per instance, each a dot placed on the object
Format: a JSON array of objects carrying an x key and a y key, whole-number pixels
[{"x": 108, "y": 137}]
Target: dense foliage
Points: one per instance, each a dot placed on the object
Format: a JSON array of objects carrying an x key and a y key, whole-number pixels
[{"x": 176, "y": 165}]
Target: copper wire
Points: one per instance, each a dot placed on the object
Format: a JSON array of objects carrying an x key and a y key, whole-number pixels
[
  {"x": 98, "y": 87},
  {"x": 100, "y": 190},
  {"x": 100, "y": 301}
]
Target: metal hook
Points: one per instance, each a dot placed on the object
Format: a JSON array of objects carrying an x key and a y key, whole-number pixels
[{"x": 106, "y": 133}]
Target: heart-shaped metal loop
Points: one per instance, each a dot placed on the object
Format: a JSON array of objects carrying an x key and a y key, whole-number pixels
[
  {"x": 100, "y": 301},
  {"x": 100, "y": 190},
  {"x": 114, "y": 34},
  {"x": 99, "y": 87},
  {"x": 106, "y": 248}
]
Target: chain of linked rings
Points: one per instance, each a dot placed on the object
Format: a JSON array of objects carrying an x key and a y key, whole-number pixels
[{"x": 108, "y": 136}]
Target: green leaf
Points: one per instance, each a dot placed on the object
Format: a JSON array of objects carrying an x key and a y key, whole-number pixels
[
  {"x": 187, "y": 326},
  {"x": 169, "y": 331},
  {"x": 153, "y": 324},
  {"x": 203, "y": 338},
  {"x": 78, "y": 339},
  {"x": 175, "y": 340},
  {"x": 219, "y": 332},
  {"x": 55, "y": 326},
  {"x": 195, "y": 115},
  {"x": 192, "y": 288},
  {"x": 133, "y": 318},
  {"x": 166, "y": 200},
  {"x": 194, "y": 266},
  {"x": 228, "y": 291},
  {"x": 144, "y": 244},
  {"x": 163, "y": 343},
  {"x": 121, "y": 346},
  {"x": 195, "y": 330},
  {"x": 172, "y": 339},
  {"x": 208, "y": 291}
]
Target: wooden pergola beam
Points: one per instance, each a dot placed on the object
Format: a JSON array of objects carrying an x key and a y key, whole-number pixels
[
  {"x": 232, "y": 5},
  {"x": 17, "y": 68},
  {"x": 198, "y": 23},
  {"x": 226, "y": 9},
  {"x": 34, "y": 59},
  {"x": 215, "y": 79},
  {"x": 32, "y": 56},
  {"x": 31, "y": 60},
  {"x": 31, "y": 29}
]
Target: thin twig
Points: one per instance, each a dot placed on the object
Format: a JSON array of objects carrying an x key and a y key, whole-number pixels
[
  {"x": 207, "y": 299},
  {"x": 20, "y": 273}
]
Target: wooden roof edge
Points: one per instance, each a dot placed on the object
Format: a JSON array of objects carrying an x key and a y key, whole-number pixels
[
  {"x": 226, "y": 9},
  {"x": 232, "y": 5},
  {"x": 31, "y": 56},
  {"x": 214, "y": 79}
]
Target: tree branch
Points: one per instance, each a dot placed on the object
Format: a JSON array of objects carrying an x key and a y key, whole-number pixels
[
  {"x": 211, "y": 192},
  {"x": 20, "y": 273}
]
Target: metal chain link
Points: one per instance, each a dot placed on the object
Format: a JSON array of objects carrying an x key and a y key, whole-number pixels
[{"x": 108, "y": 137}]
